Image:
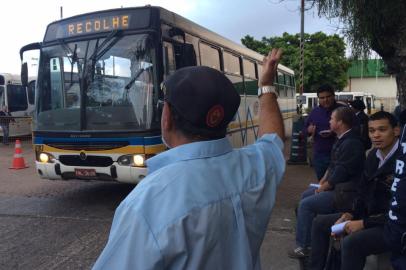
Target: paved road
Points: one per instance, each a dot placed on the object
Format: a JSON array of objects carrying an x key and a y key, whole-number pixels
[{"x": 64, "y": 224}]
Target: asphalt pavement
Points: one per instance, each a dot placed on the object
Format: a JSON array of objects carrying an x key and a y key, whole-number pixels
[{"x": 32, "y": 199}]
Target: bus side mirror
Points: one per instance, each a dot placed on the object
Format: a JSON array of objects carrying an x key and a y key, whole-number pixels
[{"x": 24, "y": 74}]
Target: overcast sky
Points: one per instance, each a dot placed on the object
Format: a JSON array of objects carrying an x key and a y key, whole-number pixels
[{"x": 24, "y": 21}]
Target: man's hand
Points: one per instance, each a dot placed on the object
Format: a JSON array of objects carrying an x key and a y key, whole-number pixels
[
  {"x": 270, "y": 66},
  {"x": 311, "y": 129},
  {"x": 324, "y": 187},
  {"x": 354, "y": 226},
  {"x": 270, "y": 117},
  {"x": 344, "y": 217}
]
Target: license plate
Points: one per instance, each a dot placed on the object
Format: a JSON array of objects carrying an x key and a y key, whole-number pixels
[{"x": 85, "y": 172}]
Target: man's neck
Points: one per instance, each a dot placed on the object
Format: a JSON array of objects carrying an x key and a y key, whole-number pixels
[
  {"x": 385, "y": 151},
  {"x": 341, "y": 132}
]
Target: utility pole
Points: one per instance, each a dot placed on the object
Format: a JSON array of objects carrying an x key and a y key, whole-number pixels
[
  {"x": 61, "y": 9},
  {"x": 298, "y": 151},
  {"x": 301, "y": 56}
]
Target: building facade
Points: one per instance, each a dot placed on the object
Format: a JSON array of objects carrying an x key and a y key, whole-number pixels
[{"x": 369, "y": 76}]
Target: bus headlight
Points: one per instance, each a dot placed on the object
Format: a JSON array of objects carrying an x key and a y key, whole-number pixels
[
  {"x": 46, "y": 158},
  {"x": 137, "y": 160}
]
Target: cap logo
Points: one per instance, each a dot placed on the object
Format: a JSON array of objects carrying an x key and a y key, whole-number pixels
[{"x": 215, "y": 116}]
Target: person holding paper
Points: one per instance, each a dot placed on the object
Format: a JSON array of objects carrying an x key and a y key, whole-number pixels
[
  {"x": 347, "y": 160},
  {"x": 317, "y": 126},
  {"x": 363, "y": 230}
]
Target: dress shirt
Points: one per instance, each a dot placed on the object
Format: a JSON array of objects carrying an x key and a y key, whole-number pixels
[{"x": 203, "y": 205}]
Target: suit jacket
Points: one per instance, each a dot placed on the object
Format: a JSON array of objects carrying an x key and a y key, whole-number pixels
[
  {"x": 374, "y": 191},
  {"x": 362, "y": 129},
  {"x": 347, "y": 159}
]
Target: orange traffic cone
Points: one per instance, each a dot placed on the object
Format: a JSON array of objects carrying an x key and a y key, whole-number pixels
[{"x": 18, "y": 160}]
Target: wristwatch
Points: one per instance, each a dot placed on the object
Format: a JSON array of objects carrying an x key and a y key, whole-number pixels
[{"x": 267, "y": 89}]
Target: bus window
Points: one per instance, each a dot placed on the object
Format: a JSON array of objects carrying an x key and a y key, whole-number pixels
[
  {"x": 281, "y": 85},
  {"x": 231, "y": 64},
  {"x": 31, "y": 92},
  {"x": 288, "y": 85},
  {"x": 169, "y": 61},
  {"x": 232, "y": 70},
  {"x": 56, "y": 83},
  {"x": 259, "y": 69},
  {"x": 209, "y": 56},
  {"x": 185, "y": 55},
  {"x": 251, "y": 83},
  {"x": 16, "y": 97},
  {"x": 249, "y": 69}
]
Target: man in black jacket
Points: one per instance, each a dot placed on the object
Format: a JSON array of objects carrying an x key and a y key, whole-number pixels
[
  {"x": 358, "y": 106},
  {"x": 347, "y": 160},
  {"x": 395, "y": 228},
  {"x": 364, "y": 227}
]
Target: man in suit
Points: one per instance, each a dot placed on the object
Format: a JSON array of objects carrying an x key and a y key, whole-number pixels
[
  {"x": 365, "y": 223},
  {"x": 347, "y": 160},
  {"x": 358, "y": 107}
]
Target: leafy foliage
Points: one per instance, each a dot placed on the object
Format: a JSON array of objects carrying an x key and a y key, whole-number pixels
[
  {"x": 324, "y": 58},
  {"x": 379, "y": 25}
]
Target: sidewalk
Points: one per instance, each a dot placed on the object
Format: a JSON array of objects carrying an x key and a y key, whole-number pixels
[{"x": 280, "y": 236}]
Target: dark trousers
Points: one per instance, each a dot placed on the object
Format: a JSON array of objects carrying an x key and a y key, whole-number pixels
[
  {"x": 398, "y": 262},
  {"x": 354, "y": 247}
]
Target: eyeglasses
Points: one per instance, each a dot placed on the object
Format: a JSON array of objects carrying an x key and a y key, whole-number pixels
[{"x": 326, "y": 97}]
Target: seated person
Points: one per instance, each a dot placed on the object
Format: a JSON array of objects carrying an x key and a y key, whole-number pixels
[
  {"x": 347, "y": 159},
  {"x": 364, "y": 231},
  {"x": 395, "y": 228}
]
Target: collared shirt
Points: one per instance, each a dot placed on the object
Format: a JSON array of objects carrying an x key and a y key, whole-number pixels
[
  {"x": 383, "y": 159},
  {"x": 203, "y": 205}
]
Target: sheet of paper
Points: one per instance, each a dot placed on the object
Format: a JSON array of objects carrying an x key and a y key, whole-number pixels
[{"x": 338, "y": 228}]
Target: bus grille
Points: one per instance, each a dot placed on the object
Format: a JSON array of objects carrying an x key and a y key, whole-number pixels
[
  {"x": 93, "y": 146},
  {"x": 90, "y": 161}
]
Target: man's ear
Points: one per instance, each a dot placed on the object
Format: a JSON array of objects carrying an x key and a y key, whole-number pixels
[
  {"x": 167, "y": 122},
  {"x": 397, "y": 131}
]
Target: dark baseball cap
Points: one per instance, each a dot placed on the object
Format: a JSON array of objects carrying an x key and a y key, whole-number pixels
[
  {"x": 358, "y": 104},
  {"x": 203, "y": 96}
]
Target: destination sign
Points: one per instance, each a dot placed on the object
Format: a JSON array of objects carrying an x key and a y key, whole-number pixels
[
  {"x": 99, "y": 22},
  {"x": 97, "y": 25}
]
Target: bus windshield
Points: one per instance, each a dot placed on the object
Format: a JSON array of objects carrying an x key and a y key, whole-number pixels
[{"x": 99, "y": 84}]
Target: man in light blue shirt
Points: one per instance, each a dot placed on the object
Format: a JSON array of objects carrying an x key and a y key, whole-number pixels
[{"x": 203, "y": 204}]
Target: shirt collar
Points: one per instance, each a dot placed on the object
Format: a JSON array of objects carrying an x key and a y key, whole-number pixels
[
  {"x": 342, "y": 135},
  {"x": 195, "y": 150},
  {"x": 382, "y": 159}
]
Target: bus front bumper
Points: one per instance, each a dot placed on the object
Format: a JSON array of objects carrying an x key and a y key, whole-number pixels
[{"x": 115, "y": 172}]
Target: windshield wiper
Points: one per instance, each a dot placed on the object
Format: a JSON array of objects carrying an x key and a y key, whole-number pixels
[
  {"x": 139, "y": 72},
  {"x": 72, "y": 57},
  {"x": 101, "y": 49}
]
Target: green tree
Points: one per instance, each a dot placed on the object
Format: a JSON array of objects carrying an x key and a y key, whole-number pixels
[
  {"x": 379, "y": 25},
  {"x": 324, "y": 58}
]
